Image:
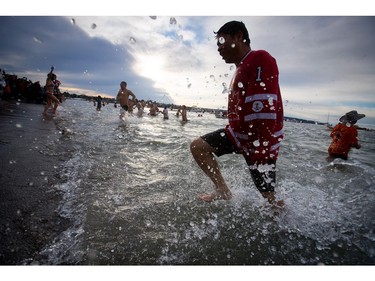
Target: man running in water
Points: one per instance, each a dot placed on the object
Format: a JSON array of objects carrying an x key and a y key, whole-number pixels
[
  {"x": 255, "y": 114},
  {"x": 123, "y": 98}
]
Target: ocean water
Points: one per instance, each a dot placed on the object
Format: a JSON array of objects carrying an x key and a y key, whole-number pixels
[{"x": 130, "y": 192}]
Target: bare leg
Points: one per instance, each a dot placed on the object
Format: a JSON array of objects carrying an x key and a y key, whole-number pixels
[
  {"x": 265, "y": 180},
  {"x": 203, "y": 155},
  {"x": 48, "y": 104},
  {"x": 55, "y": 103}
]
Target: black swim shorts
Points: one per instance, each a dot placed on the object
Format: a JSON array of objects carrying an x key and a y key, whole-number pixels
[
  {"x": 125, "y": 107},
  {"x": 220, "y": 142},
  {"x": 264, "y": 180}
]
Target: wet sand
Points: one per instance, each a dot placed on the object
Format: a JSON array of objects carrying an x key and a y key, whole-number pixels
[{"x": 29, "y": 199}]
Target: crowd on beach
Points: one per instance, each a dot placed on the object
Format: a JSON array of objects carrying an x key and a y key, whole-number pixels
[
  {"x": 23, "y": 89},
  {"x": 13, "y": 87}
]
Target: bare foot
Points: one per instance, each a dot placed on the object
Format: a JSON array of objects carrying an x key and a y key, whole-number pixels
[
  {"x": 278, "y": 204},
  {"x": 278, "y": 207},
  {"x": 215, "y": 196}
]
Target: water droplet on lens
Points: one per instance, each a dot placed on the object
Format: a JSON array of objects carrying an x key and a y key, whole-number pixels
[
  {"x": 221, "y": 40},
  {"x": 72, "y": 21},
  {"x": 93, "y": 26},
  {"x": 153, "y": 17},
  {"x": 225, "y": 90},
  {"x": 172, "y": 20},
  {"x": 37, "y": 40},
  {"x": 270, "y": 101},
  {"x": 132, "y": 40},
  {"x": 240, "y": 85}
]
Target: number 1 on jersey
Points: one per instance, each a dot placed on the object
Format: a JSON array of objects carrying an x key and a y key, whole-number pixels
[{"x": 259, "y": 69}]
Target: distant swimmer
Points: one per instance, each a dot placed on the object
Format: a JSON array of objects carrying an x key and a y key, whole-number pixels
[
  {"x": 178, "y": 112},
  {"x": 165, "y": 113},
  {"x": 154, "y": 109},
  {"x": 99, "y": 103},
  {"x": 140, "y": 106},
  {"x": 123, "y": 98},
  {"x": 184, "y": 114},
  {"x": 52, "y": 100},
  {"x": 344, "y": 136}
]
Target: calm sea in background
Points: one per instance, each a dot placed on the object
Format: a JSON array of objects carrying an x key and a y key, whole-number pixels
[{"x": 130, "y": 192}]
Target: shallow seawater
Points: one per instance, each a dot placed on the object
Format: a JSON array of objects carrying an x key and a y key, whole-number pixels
[{"x": 130, "y": 191}]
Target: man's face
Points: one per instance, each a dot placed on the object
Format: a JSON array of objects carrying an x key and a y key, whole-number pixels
[{"x": 227, "y": 47}]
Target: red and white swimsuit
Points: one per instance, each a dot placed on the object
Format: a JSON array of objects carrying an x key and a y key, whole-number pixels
[{"x": 255, "y": 108}]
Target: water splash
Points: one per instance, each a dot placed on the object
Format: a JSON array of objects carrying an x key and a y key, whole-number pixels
[{"x": 225, "y": 90}]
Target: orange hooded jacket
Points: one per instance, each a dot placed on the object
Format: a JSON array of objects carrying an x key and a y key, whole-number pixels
[{"x": 343, "y": 139}]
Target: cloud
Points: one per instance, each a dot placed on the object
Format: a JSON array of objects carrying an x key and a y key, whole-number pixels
[{"x": 81, "y": 61}]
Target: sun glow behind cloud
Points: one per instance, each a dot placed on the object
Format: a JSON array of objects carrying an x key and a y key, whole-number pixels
[
  {"x": 179, "y": 61},
  {"x": 151, "y": 66}
]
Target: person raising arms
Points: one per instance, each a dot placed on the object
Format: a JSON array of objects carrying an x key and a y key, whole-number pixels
[{"x": 52, "y": 100}]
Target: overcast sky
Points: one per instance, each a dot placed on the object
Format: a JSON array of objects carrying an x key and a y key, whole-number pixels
[{"x": 326, "y": 64}]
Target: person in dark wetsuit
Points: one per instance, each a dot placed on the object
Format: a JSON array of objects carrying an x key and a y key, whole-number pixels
[{"x": 99, "y": 103}]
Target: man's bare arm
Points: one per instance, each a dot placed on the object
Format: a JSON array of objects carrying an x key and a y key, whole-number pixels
[{"x": 131, "y": 93}]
